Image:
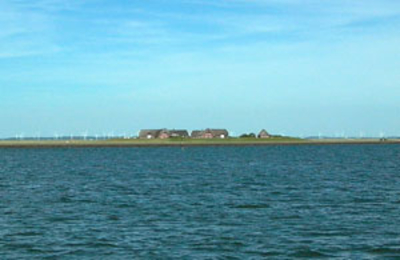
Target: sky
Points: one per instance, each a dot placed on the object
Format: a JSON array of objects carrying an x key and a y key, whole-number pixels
[{"x": 293, "y": 67}]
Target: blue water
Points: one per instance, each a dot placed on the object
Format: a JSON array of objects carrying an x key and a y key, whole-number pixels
[{"x": 275, "y": 202}]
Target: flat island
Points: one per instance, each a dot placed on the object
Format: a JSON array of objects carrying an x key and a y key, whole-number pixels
[{"x": 183, "y": 142}]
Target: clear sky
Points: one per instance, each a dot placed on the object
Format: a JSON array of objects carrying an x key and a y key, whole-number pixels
[{"x": 297, "y": 67}]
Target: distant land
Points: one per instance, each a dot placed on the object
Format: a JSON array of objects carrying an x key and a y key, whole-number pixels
[
  {"x": 181, "y": 142},
  {"x": 174, "y": 137},
  {"x": 121, "y": 137}
]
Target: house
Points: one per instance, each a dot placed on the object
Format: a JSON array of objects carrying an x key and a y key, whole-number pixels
[
  {"x": 179, "y": 133},
  {"x": 264, "y": 134},
  {"x": 162, "y": 133},
  {"x": 149, "y": 133},
  {"x": 210, "y": 133}
]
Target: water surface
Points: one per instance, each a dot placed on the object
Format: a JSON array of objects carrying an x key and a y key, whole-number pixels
[{"x": 275, "y": 202}]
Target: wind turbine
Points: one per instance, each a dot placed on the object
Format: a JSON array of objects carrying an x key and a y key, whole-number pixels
[{"x": 85, "y": 134}]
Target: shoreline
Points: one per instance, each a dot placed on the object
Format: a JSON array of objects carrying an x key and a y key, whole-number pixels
[{"x": 186, "y": 143}]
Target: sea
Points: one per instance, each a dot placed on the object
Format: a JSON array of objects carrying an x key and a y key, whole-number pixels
[{"x": 264, "y": 202}]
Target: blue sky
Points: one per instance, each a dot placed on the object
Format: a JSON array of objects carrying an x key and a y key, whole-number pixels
[{"x": 290, "y": 66}]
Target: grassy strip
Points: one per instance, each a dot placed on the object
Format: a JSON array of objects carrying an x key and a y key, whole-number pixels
[
  {"x": 186, "y": 142},
  {"x": 207, "y": 141}
]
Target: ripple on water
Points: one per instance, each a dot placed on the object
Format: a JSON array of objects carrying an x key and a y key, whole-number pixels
[
  {"x": 385, "y": 251},
  {"x": 251, "y": 206},
  {"x": 308, "y": 253},
  {"x": 200, "y": 203}
]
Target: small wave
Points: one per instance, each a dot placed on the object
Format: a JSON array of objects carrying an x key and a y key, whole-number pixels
[
  {"x": 287, "y": 217},
  {"x": 263, "y": 253},
  {"x": 92, "y": 245},
  {"x": 66, "y": 199},
  {"x": 252, "y": 206},
  {"x": 125, "y": 205},
  {"x": 328, "y": 233},
  {"x": 113, "y": 217},
  {"x": 308, "y": 253},
  {"x": 385, "y": 251},
  {"x": 27, "y": 234},
  {"x": 362, "y": 200},
  {"x": 60, "y": 219}
]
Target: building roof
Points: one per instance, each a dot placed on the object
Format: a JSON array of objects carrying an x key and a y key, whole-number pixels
[
  {"x": 179, "y": 133},
  {"x": 263, "y": 133},
  {"x": 213, "y": 132},
  {"x": 157, "y": 132},
  {"x": 219, "y": 132},
  {"x": 197, "y": 133},
  {"x": 146, "y": 132}
]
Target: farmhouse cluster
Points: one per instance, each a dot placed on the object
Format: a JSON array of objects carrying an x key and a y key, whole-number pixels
[{"x": 196, "y": 134}]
